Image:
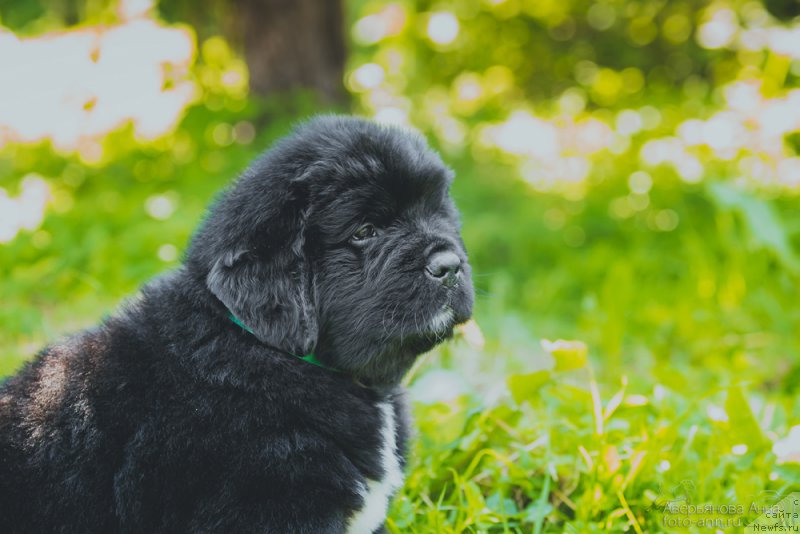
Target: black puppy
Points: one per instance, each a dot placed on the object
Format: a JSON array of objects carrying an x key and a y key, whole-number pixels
[{"x": 255, "y": 388}]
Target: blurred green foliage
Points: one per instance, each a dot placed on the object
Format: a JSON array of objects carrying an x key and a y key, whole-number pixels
[{"x": 683, "y": 286}]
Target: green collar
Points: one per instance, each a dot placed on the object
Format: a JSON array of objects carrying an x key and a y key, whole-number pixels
[{"x": 310, "y": 358}]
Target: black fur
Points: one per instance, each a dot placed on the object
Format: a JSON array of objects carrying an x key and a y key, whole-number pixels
[{"x": 169, "y": 417}]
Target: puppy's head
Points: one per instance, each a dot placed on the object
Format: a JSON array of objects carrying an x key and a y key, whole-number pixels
[{"x": 341, "y": 240}]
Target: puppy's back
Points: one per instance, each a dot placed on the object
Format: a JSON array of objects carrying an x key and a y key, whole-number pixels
[{"x": 63, "y": 421}]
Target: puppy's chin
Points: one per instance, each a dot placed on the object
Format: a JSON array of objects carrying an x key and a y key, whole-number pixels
[
  {"x": 388, "y": 367},
  {"x": 396, "y": 357},
  {"x": 441, "y": 323},
  {"x": 382, "y": 356}
]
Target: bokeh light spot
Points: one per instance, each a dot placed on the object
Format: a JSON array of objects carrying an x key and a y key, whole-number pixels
[
  {"x": 160, "y": 207},
  {"x": 443, "y": 27},
  {"x": 167, "y": 252}
]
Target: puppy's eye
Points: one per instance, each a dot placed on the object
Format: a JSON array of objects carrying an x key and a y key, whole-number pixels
[{"x": 365, "y": 232}]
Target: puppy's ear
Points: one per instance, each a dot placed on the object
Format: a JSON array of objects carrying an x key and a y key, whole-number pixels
[{"x": 265, "y": 280}]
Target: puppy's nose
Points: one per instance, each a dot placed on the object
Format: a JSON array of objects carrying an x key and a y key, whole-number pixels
[{"x": 444, "y": 267}]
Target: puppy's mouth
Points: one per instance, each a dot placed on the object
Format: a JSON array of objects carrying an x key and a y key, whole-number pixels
[
  {"x": 443, "y": 321},
  {"x": 440, "y": 325}
]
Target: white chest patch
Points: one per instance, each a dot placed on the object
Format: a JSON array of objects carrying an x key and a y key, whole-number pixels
[{"x": 377, "y": 493}]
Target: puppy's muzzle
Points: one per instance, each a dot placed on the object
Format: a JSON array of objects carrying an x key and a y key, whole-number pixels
[{"x": 444, "y": 267}]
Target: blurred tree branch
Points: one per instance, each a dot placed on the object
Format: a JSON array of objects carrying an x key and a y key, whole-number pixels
[
  {"x": 287, "y": 44},
  {"x": 290, "y": 44}
]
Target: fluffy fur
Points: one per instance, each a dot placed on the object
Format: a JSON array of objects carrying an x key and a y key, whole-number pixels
[{"x": 169, "y": 417}]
